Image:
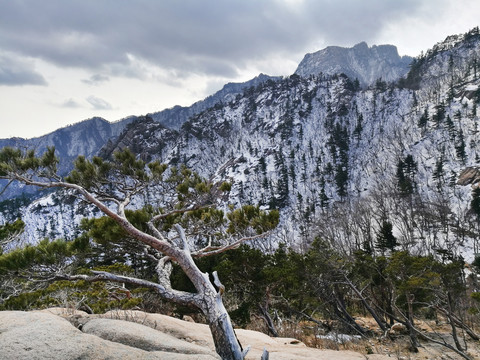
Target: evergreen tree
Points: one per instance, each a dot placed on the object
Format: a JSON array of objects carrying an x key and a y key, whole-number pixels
[
  {"x": 460, "y": 146},
  {"x": 475, "y": 203},
  {"x": 438, "y": 171},
  {"x": 406, "y": 170},
  {"x": 9, "y": 232},
  {"x": 385, "y": 238},
  {"x": 357, "y": 132},
  {"x": 439, "y": 116},
  {"x": 451, "y": 128}
]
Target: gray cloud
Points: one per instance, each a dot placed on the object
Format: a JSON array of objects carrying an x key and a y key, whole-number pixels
[
  {"x": 96, "y": 79},
  {"x": 14, "y": 72},
  {"x": 99, "y": 104},
  {"x": 202, "y": 37}
]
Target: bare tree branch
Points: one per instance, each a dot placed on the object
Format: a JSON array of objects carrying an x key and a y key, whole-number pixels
[
  {"x": 216, "y": 281},
  {"x": 5, "y": 187},
  {"x": 183, "y": 237},
  {"x": 180, "y": 297},
  {"x": 215, "y": 250},
  {"x": 179, "y": 211}
]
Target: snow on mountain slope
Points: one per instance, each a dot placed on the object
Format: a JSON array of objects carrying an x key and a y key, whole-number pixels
[{"x": 337, "y": 160}]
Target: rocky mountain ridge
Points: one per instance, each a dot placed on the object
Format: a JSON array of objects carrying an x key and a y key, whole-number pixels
[
  {"x": 326, "y": 152},
  {"x": 367, "y": 64},
  {"x": 175, "y": 117},
  {"x": 89, "y": 136},
  {"x": 86, "y": 137}
]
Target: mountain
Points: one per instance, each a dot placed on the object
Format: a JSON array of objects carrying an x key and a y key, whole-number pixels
[
  {"x": 86, "y": 138},
  {"x": 174, "y": 118},
  {"x": 367, "y": 64},
  {"x": 138, "y": 137},
  {"x": 338, "y": 160}
]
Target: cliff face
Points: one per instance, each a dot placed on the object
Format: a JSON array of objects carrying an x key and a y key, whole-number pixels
[{"x": 367, "y": 64}]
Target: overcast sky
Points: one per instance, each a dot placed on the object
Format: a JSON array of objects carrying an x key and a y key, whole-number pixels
[{"x": 63, "y": 61}]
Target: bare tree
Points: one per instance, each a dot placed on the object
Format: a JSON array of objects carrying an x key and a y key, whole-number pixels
[{"x": 187, "y": 225}]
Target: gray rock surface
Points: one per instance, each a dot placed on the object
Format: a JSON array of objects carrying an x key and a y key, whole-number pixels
[
  {"x": 47, "y": 334},
  {"x": 140, "y": 337},
  {"x": 35, "y": 335},
  {"x": 367, "y": 64}
]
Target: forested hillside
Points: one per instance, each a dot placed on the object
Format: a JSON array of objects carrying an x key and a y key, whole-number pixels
[
  {"x": 377, "y": 187},
  {"x": 339, "y": 160}
]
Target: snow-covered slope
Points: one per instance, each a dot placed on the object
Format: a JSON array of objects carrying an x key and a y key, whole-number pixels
[
  {"x": 175, "y": 117},
  {"x": 83, "y": 138},
  {"x": 337, "y": 160}
]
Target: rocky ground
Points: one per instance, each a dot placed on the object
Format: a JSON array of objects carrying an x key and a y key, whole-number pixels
[{"x": 65, "y": 334}]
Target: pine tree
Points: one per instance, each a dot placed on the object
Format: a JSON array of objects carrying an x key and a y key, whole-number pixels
[
  {"x": 406, "y": 170},
  {"x": 385, "y": 238},
  {"x": 111, "y": 185},
  {"x": 451, "y": 128},
  {"x": 438, "y": 172},
  {"x": 475, "y": 203},
  {"x": 460, "y": 147},
  {"x": 423, "y": 121},
  {"x": 439, "y": 116},
  {"x": 357, "y": 132}
]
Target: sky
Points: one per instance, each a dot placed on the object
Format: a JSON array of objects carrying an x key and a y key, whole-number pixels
[{"x": 63, "y": 61}]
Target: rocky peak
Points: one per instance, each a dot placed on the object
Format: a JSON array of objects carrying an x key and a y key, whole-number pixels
[
  {"x": 144, "y": 136},
  {"x": 367, "y": 64}
]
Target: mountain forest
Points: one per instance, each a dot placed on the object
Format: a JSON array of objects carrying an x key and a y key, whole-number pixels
[{"x": 298, "y": 205}]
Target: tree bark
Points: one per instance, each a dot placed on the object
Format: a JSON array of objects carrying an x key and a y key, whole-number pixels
[
  {"x": 452, "y": 323},
  {"x": 268, "y": 320},
  {"x": 211, "y": 304},
  {"x": 410, "y": 325},
  {"x": 226, "y": 342},
  {"x": 366, "y": 305}
]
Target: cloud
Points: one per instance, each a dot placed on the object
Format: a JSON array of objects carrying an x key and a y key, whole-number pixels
[
  {"x": 71, "y": 103},
  {"x": 18, "y": 72},
  {"x": 96, "y": 79},
  {"x": 99, "y": 104},
  {"x": 219, "y": 38}
]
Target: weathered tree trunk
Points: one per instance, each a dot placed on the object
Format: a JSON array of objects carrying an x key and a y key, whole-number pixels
[
  {"x": 211, "y": 304},
  {"x": 341, "y": 311},
  {"x": 268, "y": 320},
  {"x": 226, "y": 342},
  {"x": 372, "y": 312},
  {"x": 224, "y": 337},
  {"x": 452, "y": 322},
  {"x": 410, "y": 325}
]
